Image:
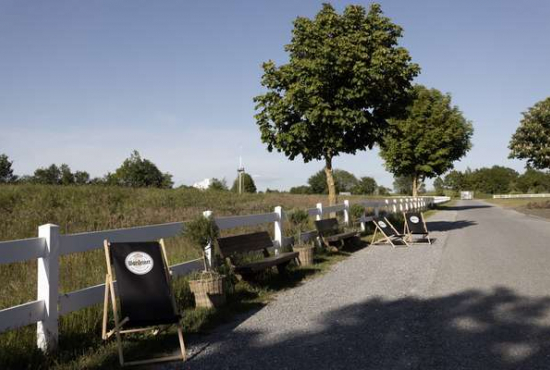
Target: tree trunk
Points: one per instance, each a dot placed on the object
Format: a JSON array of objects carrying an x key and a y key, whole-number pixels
[
  {"x": 330, "y": 181},
  {"x": 415, "y": 186}
]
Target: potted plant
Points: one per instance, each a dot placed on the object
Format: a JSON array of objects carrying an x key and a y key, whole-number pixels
[
  {"x": 299, "y": 220},
  {"x": 356, "y": 211},
  {"x": 208, "y": 285}
]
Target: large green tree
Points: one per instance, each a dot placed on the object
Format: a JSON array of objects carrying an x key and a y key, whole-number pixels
[
  {"x": 346, "y": 76},
  {"x": 6, "y": 170},
  {"x": 531, "y": 141},
  {"x": 425, "y": 143}
]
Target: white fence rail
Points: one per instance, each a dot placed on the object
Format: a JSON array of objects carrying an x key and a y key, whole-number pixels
[
  {"x": 50, "y": 246},
  {"x": 513, "y": 196}
]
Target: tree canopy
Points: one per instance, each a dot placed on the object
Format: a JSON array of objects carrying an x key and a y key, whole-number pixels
[
  {"x": 531, "y": 141},
  {"x": 344, "y": 181},
  {"x": 139, "y": 172},
  {"x": 248, "y": 184},
  {"x": 365, "y": 186},
  {"x": 426, "y": 142},
  {"x": 345, "y": 77},
  {"x": 6, "y": 170}
]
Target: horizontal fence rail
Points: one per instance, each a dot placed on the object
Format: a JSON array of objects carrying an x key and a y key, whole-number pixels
[{"x": 50, "y": 246}]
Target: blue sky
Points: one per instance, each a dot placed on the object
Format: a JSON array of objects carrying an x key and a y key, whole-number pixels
[{"x": 86, "y": 82}]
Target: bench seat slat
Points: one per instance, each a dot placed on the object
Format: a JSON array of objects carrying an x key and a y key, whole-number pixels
[
  {"x": 266, "y": 262},
  {"x": 337, "y": 237}
]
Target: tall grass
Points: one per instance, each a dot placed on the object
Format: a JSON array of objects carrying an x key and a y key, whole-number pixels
[{"x": 91, "y": 208}]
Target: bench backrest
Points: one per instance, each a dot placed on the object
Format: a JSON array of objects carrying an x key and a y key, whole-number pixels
[
  {"x": 244, "y": 243},
  {"x": 326, "y": 226}
]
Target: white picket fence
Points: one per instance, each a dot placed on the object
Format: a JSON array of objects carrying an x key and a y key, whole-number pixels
[
  {"x": 50, "y": 245},
  {"x": 513, "y": 196}
]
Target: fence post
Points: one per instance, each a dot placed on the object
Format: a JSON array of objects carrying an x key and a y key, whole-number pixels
[
  {"x": 208, "y": 247},
  {"x": 319, "y": 211},
  {"x": 278, "y": 232},
  {"x": 346, "y": 212},
  {"x": 48, "y": 289}
]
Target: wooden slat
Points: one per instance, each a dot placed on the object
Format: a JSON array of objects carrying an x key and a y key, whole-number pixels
[
  {"x": 249, "y": 220},
  {"x": 22, "y": 250},
  {"x": 90, "y": 296},
  {"x": 328, "y": 224},
  {"x": 22, "y": 315},
  {"x": 313, "y": 211},
  {"x": 336, "y": 208},
  {"x": 244, "y": 243},
  {"x": 74, "y": 243},
  {"x": 187, "y": 267},
  {"x": 307, "y": 236}
]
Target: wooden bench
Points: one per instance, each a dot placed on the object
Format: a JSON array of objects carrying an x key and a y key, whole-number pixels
[
  {"x": 328, "y": 232},
  {"x": 239, "y": 245}
]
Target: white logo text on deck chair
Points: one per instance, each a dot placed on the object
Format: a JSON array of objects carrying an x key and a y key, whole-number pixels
[{"x": 139, "y": 263}]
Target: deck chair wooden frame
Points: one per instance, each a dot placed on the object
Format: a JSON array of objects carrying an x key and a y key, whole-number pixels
[
  {"x": 384, "y": 237},
  {"x": 410, "y": 235},
  {"x": 118, "y": 328}
]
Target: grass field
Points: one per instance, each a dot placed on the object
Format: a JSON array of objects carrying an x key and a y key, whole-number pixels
[
  {"x": 539, "y": 207},
  {"x": 90, "y": 208}
]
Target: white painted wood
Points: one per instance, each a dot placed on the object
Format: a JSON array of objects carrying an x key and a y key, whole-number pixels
[
  {"x": 313, "y": 212},
  {"x": 22, "y": 250},
  {"x": 48, "y": 289},
  {"x": 278, "y": 229},
  {"x": 346, "y": 212},
  {"x": 248, "y": 220},
  {"x": 208, "y": 247},
  {"x": 319, "y": 215},
  {"x": 82, "y": 242},
  {"x": 22, "y": 315}
]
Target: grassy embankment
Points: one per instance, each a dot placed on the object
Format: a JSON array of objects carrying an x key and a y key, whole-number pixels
[
  {"x": 79, "y": 209},
  {"x": 539, "y": 207}
]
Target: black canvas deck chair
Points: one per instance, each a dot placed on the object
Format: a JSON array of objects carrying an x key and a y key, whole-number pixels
[
  {"x": 389, "y": 234},
  {"x": 144, "y": 293},
  {"x": 415, "y": 226}
]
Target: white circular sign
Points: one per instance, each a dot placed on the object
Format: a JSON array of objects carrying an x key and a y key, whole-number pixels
[
  {"x": 414, "y": 219},
  {"x": 382, "y": 224},
  {"x": 139, "y": 263}
]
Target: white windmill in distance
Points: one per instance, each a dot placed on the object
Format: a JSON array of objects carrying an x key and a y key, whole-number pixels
[{"x": 240, "y": 171}]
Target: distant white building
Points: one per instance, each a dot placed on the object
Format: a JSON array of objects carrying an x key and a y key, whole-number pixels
[{"x": 203, "y": 185}]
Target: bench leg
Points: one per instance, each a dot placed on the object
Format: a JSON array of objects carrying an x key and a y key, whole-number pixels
[{"x": 282, "y": 267}]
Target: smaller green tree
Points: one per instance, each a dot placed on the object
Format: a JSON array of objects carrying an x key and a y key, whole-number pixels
[
  {"x": 248, "y": 184},
  {"x": 140, "y": 172},
  {"x": 404, "y": 185},
  {"x": 6, "y": 170},
  {"x": 439, "y": 186},
  {"x": 67, "y": 177},
  {"x": 344, "y": 181},
  {"x": 81, "y": 177},
  {"x": 427, "y": 142},
  {"x": 531, "y": 141},
  {"x": 217, "y": 184},
  {"x": 365, "y": 186},
  {"x": 47, "y": 176},
  {"x": 382, "y": 190},
  {"x": 302, "y": 189},
  {"x": 533, "y": 181}
]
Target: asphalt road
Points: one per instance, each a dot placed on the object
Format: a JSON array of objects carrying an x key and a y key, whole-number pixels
[{"x": 478, "y": 298}]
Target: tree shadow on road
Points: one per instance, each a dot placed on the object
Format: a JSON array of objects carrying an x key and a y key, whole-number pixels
[
  {"x": 449, "y": 225},
  {"x": 466, "y": 207},
  {"x": 496, "y": 330}
]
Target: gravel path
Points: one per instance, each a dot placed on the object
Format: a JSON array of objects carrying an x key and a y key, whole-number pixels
[{"x": 475, "y": 299}]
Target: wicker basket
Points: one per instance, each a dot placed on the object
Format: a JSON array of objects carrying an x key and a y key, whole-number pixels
[
  {"x": 209, "y": 291},
  {"x": 305, "y": 254}
]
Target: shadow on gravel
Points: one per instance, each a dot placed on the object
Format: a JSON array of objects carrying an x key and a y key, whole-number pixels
[
  {"x": 493, "y": 330},
  {"x": 448, "y": 225},
  {"x": 463, "y": 208}
]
